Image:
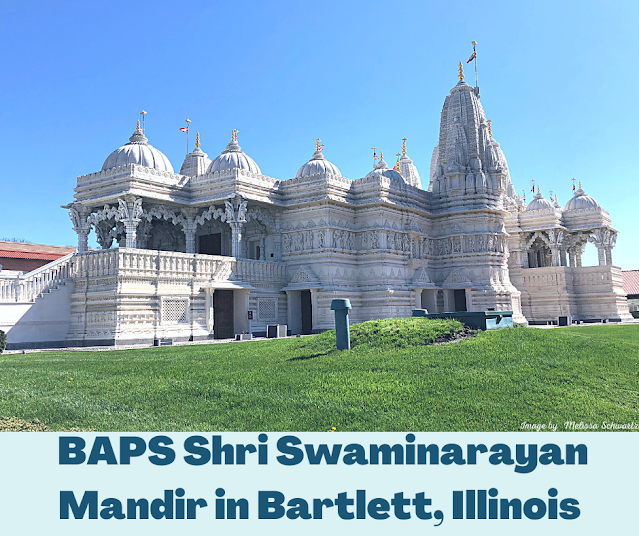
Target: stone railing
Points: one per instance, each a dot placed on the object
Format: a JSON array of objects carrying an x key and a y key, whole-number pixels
[
  {"x": 27, "y": 287},
  {"x": 168, "y": 264},
  {"x": 589, "y": 278}
]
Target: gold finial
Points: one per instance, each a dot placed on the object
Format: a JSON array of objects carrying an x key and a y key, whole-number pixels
[
  {"x": 538, "y": 188},
  {"x": 197, "y": 140},
  {"x": 381, "y": 154},
  {"x": 580, "y": 185},
  {"x": 138, "y": 127},
  {"x": 398, "y": 166},
  {"x": 317, "y": 144},
  {"x": 404, "y": 146},
  {"x": 490, "y": 128},
  {"x": 461, "y": 72},
  {"x": 234, "y": 135}
]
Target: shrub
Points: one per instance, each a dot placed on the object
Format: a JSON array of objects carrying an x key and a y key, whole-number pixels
[{"x": 3, "y": 341}]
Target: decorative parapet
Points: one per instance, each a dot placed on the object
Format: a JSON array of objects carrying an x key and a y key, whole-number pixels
[
  {"x": 130, "y": 170},
  {"x": 144, "y": 263}
]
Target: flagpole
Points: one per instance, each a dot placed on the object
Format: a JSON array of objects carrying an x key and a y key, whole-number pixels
[
  {"x": 187, "y": 135},
  {"x": 475, "y": 54},
  {"x": 143, "y": 114}
]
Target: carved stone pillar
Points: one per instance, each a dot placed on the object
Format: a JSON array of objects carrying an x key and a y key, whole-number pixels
[
  {"x": 236, "y": 239},
  {"x": 129, "y": 213},
  {"x": 189, "y": 226},
  {"x": 236, "y": 218},
  {"x": 83, "y": 240},
  {"x": 612, "y": 242},
  {"x": 562, "y": 257},
  {"x": 601, "y": 255},
  {"x": 556, "y": 237},
  {"x": 79, "y": 217},
  {"x": 579, "y": 251},
  {"x": 573, "y": 257}
]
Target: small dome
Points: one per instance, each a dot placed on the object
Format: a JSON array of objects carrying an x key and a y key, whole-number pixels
[
  {"x": 196, "y": 162},
  {"x": 138, "y": 151},
  {"x": 582, "y": 201},
  {"x": 539, "y": 202},
  {"x": 233, "y": 158},
  {"x": 381, "y": 168},
  {"x": 317, "y": 164}
]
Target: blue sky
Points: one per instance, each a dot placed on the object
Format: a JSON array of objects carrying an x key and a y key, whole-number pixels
[{"x": 558, "y": 80}]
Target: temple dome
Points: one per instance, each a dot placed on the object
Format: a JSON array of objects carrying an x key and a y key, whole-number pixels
[
  {"x": 381, "y": 168},
  {"x": 233, "y": 158},
  {"x": 317, "y": 164},
  {"x": 539, "y": 202},
  {"x": 582, "y": 201},
  {"x": 139, "y": 152}
]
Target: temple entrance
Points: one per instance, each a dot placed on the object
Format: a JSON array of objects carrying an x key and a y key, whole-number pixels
[
  {"x": 307, "y": 312},
  {"x": 460, "y": 300},
  {"x": 300, "y": 311},
  {"x": 211, "y": 244},
  {"x": 223, "y": 314}
]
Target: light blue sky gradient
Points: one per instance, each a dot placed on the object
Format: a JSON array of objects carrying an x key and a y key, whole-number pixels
[{"x": 558, "y": 80}]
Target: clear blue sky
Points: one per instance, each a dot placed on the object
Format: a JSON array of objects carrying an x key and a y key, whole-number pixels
[{"x": 558, "y": 80}]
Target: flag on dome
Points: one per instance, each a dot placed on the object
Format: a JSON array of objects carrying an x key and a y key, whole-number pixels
[
  {"x": 184, "y": 129},
  {"x": 472, "y": 57}
]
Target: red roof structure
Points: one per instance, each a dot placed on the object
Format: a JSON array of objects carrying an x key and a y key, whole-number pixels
[
  {"x": 22, "y": 256},
  {"x": 630, "y": 282}
]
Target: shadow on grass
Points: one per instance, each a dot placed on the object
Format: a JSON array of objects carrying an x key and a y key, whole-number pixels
[{"x": 313, "y": 356}]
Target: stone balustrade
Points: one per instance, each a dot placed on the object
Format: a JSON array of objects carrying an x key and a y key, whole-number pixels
[
  {"x": 168, "y": 264},
  {"x": 28, "y": 287}
]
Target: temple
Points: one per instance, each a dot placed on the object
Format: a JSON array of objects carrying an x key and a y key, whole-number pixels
[{"x": 220, "y": 249}]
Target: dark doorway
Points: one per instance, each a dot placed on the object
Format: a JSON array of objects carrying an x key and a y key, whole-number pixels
[
  {"x": 460, "y": 300},
  {"x": 211, "y": 244},
  {"x": 223, "y": 325},
  {"x": 307, "y": 312}
]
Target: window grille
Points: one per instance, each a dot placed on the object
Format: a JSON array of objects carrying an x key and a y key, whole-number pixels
[
  {"x": 267, "y": 309},
  {"x": 174, "y": 310}
]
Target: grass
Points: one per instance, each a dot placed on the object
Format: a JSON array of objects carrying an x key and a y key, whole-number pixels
[{"x": 392, "y": 380}]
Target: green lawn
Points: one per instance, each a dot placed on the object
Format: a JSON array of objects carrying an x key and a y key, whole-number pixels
[{"x": 490, "y": 382}]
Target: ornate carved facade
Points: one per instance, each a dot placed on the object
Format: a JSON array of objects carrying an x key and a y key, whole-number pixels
[{"x": 189, "y": 254}]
